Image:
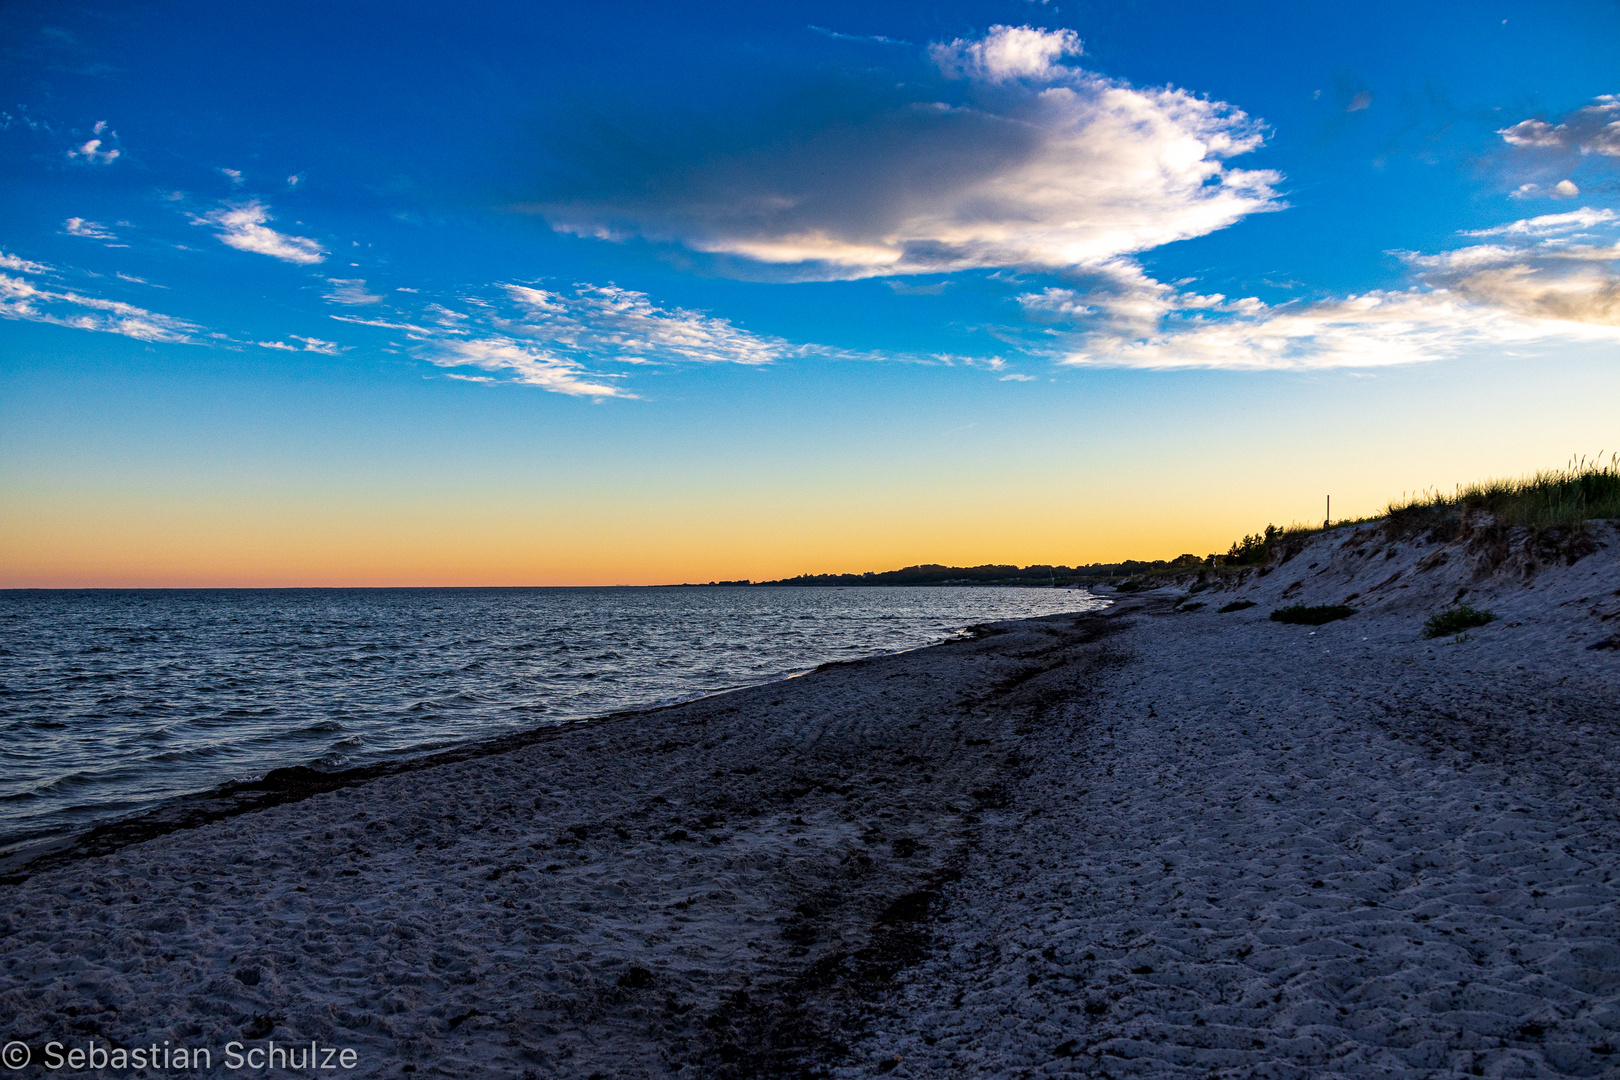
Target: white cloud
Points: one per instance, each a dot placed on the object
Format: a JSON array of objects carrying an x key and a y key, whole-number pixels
[
  {"x": 1550, "y": 224},
  {"x": 242, "y": 226},
  {"x": 1377, "y": 329},
  {"x": 139, "y": 280},
  {"x": 1594, "y": 129},
  {"x": 1554, "y": 267},
  {"x": 1044, "y": 166},
  {"x": 13, "y": 262},
  {"x": 1545, "y": 280},
  {"x": 609, "y": 323},
  {"x": 19, "y": 299},
  {"x": 1564, "y": 189},
  {"x": 1116, "y": 171},
  {"x": 561, "y": 340},
  {"x": 1121, "y": 301},
  {"x": 417, "y": 333},
  {"x": 1007, "y": 52},
  {"x": 350, "y": 291},
  {"x": 90, "y": 230},
  {"x": 233, "y": 175},
  {"x": 97, "y": 151},
  {"x": 528, "y": 365},
  {"x": 314, "y": 345}
]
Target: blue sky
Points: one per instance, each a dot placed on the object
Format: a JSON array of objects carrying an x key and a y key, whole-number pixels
[{"x": 773, "y": 288}]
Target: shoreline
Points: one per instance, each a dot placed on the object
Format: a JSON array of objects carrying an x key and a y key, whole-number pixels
[
  {"x": 1155, "y": 841},
  {"x": 644, "y": 887},
  {"x": 46, "y": 831},
  {"x": 292, "y": 783}
]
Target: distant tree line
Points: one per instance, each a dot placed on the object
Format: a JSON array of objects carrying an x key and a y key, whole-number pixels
[
  {"x": 997, "y": 574},
  {"x": 1250, "y": 551}
]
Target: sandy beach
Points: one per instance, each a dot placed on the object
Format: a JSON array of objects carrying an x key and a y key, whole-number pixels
[{"x": 1157, "y": 841}]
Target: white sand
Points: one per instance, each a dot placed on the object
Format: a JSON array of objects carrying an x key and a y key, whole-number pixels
[
  {"x": 1279, "y": 851},
  {"x": 1153, "y": 843}
]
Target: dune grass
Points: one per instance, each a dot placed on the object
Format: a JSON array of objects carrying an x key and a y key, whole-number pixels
[
  {"x": 1551, "y": 502},
  {"x": 1582, "y": 491}
]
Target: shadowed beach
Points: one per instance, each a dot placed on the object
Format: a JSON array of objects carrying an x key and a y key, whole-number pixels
[{"x": 1157, "y": 841}]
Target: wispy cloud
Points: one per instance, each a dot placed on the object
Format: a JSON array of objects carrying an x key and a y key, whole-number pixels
[
  {"x": 1550, "y": 224},
  {"x": 904, "y": 288},
  {"x": 242, "y": 226},
  {"x": 314, "y": 345},
  {"x": 350, "y": 291},
  {"x": 529, "y": 365},
  {"x": 876, "y": 39},
  {"x": 1017, "y": 161},
  {"x": 411, "y": 330},
  {"x": 90, "y": 230},
  {"x": 562, "y": 340},
  {"x": 1378, "y": 329},
  {"x": 1558, "y": 268},
  {"x": 20, "y": 299},
  {"x": 605, "y": 322},
  {"x": 21, "y": 265}
]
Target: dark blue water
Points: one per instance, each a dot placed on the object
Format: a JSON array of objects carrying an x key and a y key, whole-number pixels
[{"x": 111, "y": 701}]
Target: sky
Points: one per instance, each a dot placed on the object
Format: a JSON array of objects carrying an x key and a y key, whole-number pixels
[{"x": 564, "y": 294}]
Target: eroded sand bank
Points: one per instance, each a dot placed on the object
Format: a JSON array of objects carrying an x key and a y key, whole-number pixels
[{"x": 1152, "y": 842}]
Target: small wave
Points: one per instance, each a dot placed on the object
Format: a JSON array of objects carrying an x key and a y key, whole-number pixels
[
  {"x": 250, "y": 680},
  {"x": 187, "y": 753}
]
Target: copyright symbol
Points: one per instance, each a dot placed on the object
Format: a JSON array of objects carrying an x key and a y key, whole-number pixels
[{"x": 15, "y": 1055}]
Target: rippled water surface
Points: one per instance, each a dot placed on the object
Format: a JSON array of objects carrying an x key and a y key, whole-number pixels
[{"x": 111, "y": 701}]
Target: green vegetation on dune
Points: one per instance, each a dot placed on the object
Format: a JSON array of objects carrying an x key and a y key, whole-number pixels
[
  {"x": 1301, "y": 615},
  {"x": 1454, "y": 620},
  {"x": 1583, "y": 491},
  {"x": 1553, "y": 503}
]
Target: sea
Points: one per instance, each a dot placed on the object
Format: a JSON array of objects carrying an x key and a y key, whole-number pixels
[{"x": 112, "y": 701}]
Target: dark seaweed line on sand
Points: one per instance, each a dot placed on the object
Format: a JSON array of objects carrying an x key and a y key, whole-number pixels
[{"x": 799, "y": 1027}]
